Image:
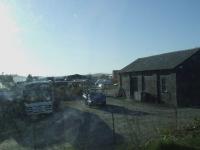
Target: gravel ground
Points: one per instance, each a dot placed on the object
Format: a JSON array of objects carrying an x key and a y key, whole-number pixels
[{"x": 121, "y": 123}]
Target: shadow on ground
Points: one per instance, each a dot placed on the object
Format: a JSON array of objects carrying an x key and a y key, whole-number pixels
[
  {"x": 121, "y": 110},
  {"x": 81, "y": 130}
]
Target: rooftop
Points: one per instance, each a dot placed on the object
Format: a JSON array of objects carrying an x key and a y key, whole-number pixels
[{"x": 160, "y": 62}]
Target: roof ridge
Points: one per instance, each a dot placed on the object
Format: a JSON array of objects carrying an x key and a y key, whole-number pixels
[
  {"x": 167, "y": 60},
  {"x": 183, "y": 50}
]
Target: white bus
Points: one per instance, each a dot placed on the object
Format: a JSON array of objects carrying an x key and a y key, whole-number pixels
[{"x": 39, "y": 98}]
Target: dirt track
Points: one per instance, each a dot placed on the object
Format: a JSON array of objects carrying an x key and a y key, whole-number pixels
[{"x": 77, "y": 126}]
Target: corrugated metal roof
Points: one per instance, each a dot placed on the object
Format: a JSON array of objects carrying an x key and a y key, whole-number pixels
[{"x": 160, "y": 62}]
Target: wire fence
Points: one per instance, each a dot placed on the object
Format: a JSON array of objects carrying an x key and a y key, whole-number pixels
[{"x": 127, "y": 123}]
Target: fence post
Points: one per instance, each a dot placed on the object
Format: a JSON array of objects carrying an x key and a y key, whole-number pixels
[{"x": 113, "y": 125}]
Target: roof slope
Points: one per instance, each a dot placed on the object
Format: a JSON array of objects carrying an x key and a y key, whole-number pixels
[{"x": 160, "y": 62}]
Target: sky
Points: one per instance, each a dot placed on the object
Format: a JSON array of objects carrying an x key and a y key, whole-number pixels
[{"x": 62, "y": 37}]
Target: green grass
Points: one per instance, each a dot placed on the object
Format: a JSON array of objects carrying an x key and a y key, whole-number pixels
[
  {"x": 181, "y": 139},
  {"x": 167, "y": 145}
]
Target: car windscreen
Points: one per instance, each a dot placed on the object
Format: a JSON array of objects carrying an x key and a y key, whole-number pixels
[{"x": 37, "y": 92}]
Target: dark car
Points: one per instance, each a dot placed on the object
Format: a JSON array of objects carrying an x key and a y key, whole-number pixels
[{"x": 94, "y": 97}]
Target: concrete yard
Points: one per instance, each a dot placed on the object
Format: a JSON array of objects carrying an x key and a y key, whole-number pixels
[{"x": 122, "y": 124}]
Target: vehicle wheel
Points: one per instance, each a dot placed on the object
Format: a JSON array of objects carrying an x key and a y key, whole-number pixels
[
  {"x": 104, "y": 104},
  {"x": 56, "y": 107}
]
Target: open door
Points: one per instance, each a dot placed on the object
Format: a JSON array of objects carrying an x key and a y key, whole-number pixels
[{"x": 134, "y": 88}]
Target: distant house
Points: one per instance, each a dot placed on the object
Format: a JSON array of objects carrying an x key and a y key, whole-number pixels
[
  {"x": 6, "y": 81},
  {"x": 171, "y": 78},
  {"x": 75, "y": 77}
]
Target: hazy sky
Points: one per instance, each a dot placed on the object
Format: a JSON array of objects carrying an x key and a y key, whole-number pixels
[{"x": 60, "y": 37}]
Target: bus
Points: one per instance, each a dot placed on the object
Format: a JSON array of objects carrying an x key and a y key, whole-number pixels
[{"x": 39, "y": 98}]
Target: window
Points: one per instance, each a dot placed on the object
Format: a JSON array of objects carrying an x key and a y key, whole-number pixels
[{"x": 163, "y": 84}]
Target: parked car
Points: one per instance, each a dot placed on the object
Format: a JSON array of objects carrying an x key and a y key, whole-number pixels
[{"x": 94, "y": 97}]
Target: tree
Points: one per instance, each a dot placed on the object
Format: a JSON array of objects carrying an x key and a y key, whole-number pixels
[{"x": 29, "y": 78}]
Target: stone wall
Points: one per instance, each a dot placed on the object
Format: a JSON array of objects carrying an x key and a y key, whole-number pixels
[
  {"x": 169, "y": 96},
  {"x": 150, "y": 87},
  {"x": 125, "y": 78}
]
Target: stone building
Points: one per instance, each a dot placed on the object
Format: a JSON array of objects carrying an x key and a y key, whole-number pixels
[{"x": 172, "y": 78}]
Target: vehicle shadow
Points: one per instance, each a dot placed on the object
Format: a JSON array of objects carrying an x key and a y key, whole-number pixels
[
  {"x": 121, "y": 110},
  {"x": 81, "y": 130}
]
